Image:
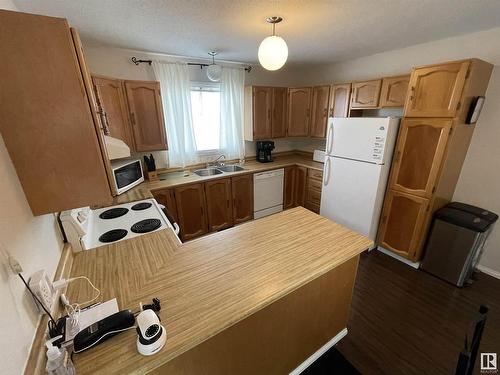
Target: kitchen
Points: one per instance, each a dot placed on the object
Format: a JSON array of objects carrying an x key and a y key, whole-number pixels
[{"x": 211, "y": 212}]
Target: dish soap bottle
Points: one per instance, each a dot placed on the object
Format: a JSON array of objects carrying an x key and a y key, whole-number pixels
[{"x": 58, "y": 360}]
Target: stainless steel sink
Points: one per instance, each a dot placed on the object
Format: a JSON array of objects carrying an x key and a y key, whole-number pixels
[
  {"x": 231, "y": 168},
  {"x": 207, "y": 172}
]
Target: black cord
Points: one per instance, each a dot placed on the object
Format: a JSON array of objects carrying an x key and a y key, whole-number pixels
[{"x": 52, "y": 320}]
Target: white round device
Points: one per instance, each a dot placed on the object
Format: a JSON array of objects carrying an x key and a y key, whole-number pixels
[{"x": 151, "y": 334}]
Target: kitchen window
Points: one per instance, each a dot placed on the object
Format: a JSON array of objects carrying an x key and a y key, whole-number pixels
[{"x": 205, "y": 107}]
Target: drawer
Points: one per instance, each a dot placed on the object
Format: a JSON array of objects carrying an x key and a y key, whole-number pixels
[
  {"x": 312, "y": 207},
  {"x": 313, "y": 196},
  {"x": 314, "y": 184},
  {"x": 315, "y": 174}
]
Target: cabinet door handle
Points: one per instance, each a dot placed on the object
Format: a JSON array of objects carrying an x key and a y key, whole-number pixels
[
  {"x": 132, "y": 117},
  {"x": 325, "y": 112},
  {"x": 331, "y": 112}
]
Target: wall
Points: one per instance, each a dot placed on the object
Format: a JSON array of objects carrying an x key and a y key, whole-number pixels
[
  {"x": 115, "y": 62},
  {"x": 37, "y": 244},
  {"x": 479, "y": 183}
]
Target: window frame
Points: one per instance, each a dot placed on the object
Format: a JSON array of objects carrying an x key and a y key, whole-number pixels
[{"x": 212, "y": 87}]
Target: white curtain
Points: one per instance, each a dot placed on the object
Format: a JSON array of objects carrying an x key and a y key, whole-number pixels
[
  {"x": 176, "y": 99},
  {"x": 231, "y": 115}
]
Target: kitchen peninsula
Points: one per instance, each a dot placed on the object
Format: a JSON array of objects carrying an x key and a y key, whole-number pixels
[{"x": 256, "y": 298}]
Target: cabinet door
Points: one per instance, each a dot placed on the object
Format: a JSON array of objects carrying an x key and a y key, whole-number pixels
[
  {"x": 300, "y": 186},
  {"x": 393, "y": 92},
  {"x": 339, "y": 100},
  {"x": 419, "y": 153},
  {"x": 365, "y": 94},
  {"x": 242, "y": 190},
  {"x": 435, "y": 91},
  {"x": 219, "y": 204},
  {"x": 262, "y": 105},
  {"x": 191, "y": 211},
  {"x": 111, "y": 99},
  {"x": 146, "y": 114},
  {"x": 299, "y": 111},
  {"x": 280, "y": 97},
  {"x": 166, "y": 197},
  {"x": 289, "y": 188},
  {"x": 319, "y": 119},
  {"x": 402, "y": 222}
]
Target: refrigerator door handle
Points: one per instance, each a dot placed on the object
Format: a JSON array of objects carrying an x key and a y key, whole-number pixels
[
  {"x": 327, "y": 171},
  {"x": 329, "y": 139}
]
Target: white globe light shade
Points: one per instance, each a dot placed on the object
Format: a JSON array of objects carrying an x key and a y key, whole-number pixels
[
  {"x": 273, "y": 52},
  {"x": 214, "y": 72}
]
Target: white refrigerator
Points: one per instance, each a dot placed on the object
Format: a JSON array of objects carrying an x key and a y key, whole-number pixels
[{"x": 357, "y": 162}]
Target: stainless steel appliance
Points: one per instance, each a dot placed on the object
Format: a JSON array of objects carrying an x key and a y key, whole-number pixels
[
  {"x": 268, "y": 193},
  {"x": 456, "y": 241},
  {"x": 264, "y": 149},
  {"x": 127, "y": 174}
]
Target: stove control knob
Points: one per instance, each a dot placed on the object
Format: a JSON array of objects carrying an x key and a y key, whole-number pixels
[{"x": 82, "y": 216}]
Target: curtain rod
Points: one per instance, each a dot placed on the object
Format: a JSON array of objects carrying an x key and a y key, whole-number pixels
[{"x": 201, "y": 65}]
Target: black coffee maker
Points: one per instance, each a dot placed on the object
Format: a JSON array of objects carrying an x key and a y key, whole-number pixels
[{"x": 264, "y": 149}]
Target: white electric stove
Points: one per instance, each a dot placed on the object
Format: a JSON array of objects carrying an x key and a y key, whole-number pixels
[{"x": 86, "y": 229}]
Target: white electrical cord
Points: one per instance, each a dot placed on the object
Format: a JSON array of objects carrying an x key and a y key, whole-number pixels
[{"x": 73, "y": 309}]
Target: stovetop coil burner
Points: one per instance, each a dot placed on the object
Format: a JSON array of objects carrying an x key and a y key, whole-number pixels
[
  {"x": 113, "y": 235},
  {"x": 145, "y": 226},
  {"x": 113, "y": 213},
  {"x": 141, "y": 206}
]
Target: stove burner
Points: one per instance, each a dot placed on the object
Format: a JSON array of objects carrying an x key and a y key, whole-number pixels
[
  {"x": 141, "y": 206},
  {"x": 146, "y": 225},
  {"x": 113, "y": 235},
  {"x": 113, "y": 213}
]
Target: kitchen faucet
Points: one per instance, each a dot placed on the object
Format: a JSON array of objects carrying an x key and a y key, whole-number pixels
[{"x": 217, "y": 161}]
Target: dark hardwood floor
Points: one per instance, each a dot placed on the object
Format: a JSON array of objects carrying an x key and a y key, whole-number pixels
[{"x": 405, "y": 321}]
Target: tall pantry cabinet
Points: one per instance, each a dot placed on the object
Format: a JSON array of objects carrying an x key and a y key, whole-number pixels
[{"x": 431, "y": 148}]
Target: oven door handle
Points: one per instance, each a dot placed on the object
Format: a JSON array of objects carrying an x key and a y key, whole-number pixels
[{"x": 170, "y": 218}]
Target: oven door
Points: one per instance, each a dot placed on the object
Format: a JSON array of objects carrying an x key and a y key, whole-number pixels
[{"x": 128, "y": 175}]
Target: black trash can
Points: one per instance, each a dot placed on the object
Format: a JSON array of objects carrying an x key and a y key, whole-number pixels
[{"x": 456, "y": 241}]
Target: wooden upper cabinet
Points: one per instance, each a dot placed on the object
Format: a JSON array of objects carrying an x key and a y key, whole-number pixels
[
  {"x": 339, "y": 100},
  {"x": 111, "y": 98},
  {"x": 366, "y": 94},
  {"x": 289, "y": 187},
  {"x": 47, "y": 118},
  {"x": 262, "y": 107},
  {"x": 219, "y": 204},
  {"x": 146, "y": 114},
  {"x": 420, "y": 150},
  {"x": 402, "y": 222},
  {"x": 393, "y": 92},
  {"x": 299, "y": 111},
  {"x": 191, "y": 211},
  {"x": 300, "y": 186},
  {"x": 242, "y": 191},
  {"x": 435, "y": 91},
  {"x": 320, "y": 104},
  {"x": 280, "y": 99}
]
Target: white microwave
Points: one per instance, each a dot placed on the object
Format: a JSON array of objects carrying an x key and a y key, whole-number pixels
[{"x": 126, "y": 174}]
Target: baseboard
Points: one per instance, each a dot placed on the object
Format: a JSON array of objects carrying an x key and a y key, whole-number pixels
[
  {"x": 488, "y": 271},
  {"x": 415, "y": 265},
  {"x": 339, "y": 336}
]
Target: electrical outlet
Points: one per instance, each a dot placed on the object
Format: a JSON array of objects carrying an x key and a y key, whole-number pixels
[{"x": 41, "y": 285}]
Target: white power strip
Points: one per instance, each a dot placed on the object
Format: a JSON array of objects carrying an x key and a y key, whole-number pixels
[{"x": 41, "y": 285}]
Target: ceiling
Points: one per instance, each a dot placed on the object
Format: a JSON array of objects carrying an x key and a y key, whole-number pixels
[{"x": 316, "y": 31}]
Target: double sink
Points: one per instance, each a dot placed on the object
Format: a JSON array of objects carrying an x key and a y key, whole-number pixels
[{"x": 218, "y": 170}]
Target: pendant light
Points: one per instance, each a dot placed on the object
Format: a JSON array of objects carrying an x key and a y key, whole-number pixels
[
  {"x": 214, "y": 71},
  {"x": 273, "y": 50}
]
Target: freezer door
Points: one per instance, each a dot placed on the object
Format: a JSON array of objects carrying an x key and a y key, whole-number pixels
[
  {"x": 365, "y": 139},
  {"x": 353, "y": 193}
]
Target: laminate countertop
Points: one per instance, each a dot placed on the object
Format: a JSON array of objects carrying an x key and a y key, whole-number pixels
[
  {"x": 209, "y": 284},
  {"x": 173, "y": 179}
]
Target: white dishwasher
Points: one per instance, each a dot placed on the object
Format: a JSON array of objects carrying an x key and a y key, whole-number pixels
[{"x": 268, "y": 192}]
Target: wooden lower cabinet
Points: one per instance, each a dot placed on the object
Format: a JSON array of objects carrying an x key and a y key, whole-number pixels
[
  {"x": 289, "y": 187},
  {"x": 300, "y": 186},
  {"x": 219, "y": 204},
  {"x": 242, "y": 192},
  {"x": 313, "y": 191},
  {"x": 191, "y": 211},
  {"x": 166, "y": 197},
  {"x": 402, "y": 223}
]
